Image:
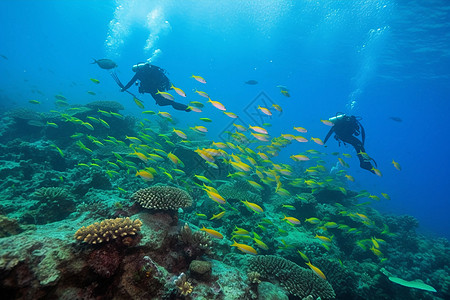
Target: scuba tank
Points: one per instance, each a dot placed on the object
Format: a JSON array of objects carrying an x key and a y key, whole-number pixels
[{"x": 339, "y": 116}]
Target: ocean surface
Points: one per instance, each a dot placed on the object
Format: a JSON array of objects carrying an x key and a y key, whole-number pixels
[{"x": 387, "y": 62}]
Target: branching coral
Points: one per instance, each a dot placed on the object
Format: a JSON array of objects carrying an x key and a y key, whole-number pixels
[
  {"x": 109, "y": 229},
  {"x": 196, "y": 243},
  {"x": 184, "y": 286},
  {"x": 52, "y": 194},
  {"x": 298, "y": 281},
  {"x": 162, "y": 197}
]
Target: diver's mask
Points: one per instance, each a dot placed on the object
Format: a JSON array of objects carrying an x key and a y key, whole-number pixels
[
  {"x": 138, "y": 67},
  {"x": 336, "y": 118}
]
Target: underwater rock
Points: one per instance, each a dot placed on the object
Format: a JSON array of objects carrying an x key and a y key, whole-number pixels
[
  {"x": 200, "y": 269},
  {"x": 55, "y": 204},
  {"x": 104, "y": 261},
  {"x": 9, "y": 226},
  {"x": 270, "y": 291}
]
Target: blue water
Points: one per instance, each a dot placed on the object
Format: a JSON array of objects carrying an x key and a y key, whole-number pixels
[{"x": 374, "y": 59}]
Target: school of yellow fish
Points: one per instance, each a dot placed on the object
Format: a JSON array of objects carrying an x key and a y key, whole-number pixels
[{"x": 151, "y": 155}]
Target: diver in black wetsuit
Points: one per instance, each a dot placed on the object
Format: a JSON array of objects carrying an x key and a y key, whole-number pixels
[
  {"x": 152, "y": 79},
  {"x": 345, "y": 129}
]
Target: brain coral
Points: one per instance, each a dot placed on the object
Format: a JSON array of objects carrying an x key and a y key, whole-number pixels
[
  {"x": 107, "y": 230},
  {"x": 162, "y": 197},
  {"x": 296, "y": 280}
]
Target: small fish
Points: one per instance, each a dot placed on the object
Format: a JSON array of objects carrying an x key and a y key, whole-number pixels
[
  {"x": 254, "y": 207},
  {"x": 217, "y": 105},
  {"x": 231, "y": 115},
  {"x": 303, "y": 255},
  {"x": 317, "y": 141},
  {"x": 312, "y": 220},
  {"x": 260, "y": 244},
  {"x": 218, "y": 216},
  {"x": 149, "y": 112},
  {"x": 396, "y": 119},
  {"x": 377, "y": 172},
  {"x": 199, "y": 78},
  {"x": 265, "y": 110},
  {"x": 180, "y": 133},
  {"x": 300, "y": 129},
  {"x": 166, "y": 95},
  {"x": 208, "y": 120},
  {"x": 146, "y": 175},
  {"x": 386, "y": 196},
  {"x": 96, "y": 81},
  {"x": 178, "y": 91},
  {"x": 203, "y": 94},
  {"x": 197, "y": 104},
  {"x": 299, "y": 157},
  {"x": 287, "y": 206},
  {"x": 291, "y": 220},
  {"x": 201, "y": 215},
  {"x": 104, "y": 123},
  {"x": 244, "y": 248},
  {"x": 88, "y": 125},
  {"x": 316, "y": 270},
  {"x": 258, "y": 129},
  {"x": 60, "y": 97},
  {"x": 396, "y": 165},
  {"x": 277, "y": 107},
  {"x": 165, "y": 115},
  {"x": 91, "y": 93},
  {"x": 323, "y": 238},
  {"x": 138, "y": 103},
  {"x": 213, "y": 233},
  {"x": 117, "y": 115},
  {"x": 34, "y": 102},
  {"x": 105, "y": 63},
  {"x": 350, "y": 178},
  {"x": 327, "y": 122},
  {"x": 251, "y": 82},
  {"x": 51, "y": 124}
]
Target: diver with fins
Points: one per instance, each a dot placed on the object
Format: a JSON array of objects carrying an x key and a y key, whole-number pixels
[
  {"x": 153, "y": 80},
  {"x": 346, "y": 129}
]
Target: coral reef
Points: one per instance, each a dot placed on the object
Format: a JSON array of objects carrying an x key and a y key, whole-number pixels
[
  {"x": 195, "y": 244},
  {"x": 162, "y": 197},
  {"x": 110, "y": 229},
  {"x": 298, "y": 281},
  {"x": 183, "y": 285}
]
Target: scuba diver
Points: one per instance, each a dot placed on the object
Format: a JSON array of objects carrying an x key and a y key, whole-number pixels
[
  {"x": 153, "y": 80},
  {"x": 345, "y": 130}
]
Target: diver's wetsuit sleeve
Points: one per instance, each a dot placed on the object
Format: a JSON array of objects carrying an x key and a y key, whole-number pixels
[
  {"x": 328, "y": 135},
  {"x": 133, "y": 80}
]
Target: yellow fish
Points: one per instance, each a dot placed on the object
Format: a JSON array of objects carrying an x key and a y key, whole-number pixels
[
  {"x": 147, "y": 176},
  {"x": 316, "y": 270},
  {"x": 180, "y": 133},
  {"x": 291, "y": 220},
  {"x": 254, "y": 207},
  {"x": 265, "y": 110},
  {"x": 317, "y": 141},
  {"x": 179, "y": 91},
  {"x": 217, "y": 105},
  {"x": 323, "y": 238},
  {"x": 199, "y": 78},
  {"x": 386, "y": 196},
  {"x": 300, "y": 129},
  {"x": 96, "y": 81},
  {"x": 165, "y": 95},
  {"x": 376, "y": 171},
  {"x": 396, "y": 165},
  {"x": 218, "y": 216},
  {"x": 213, "y": 233},
  {"x": 245, "y": 248},
  {"x": 138, "y": 103}
]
